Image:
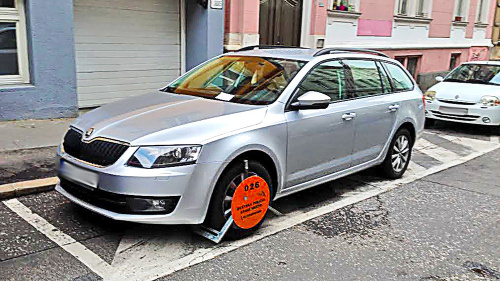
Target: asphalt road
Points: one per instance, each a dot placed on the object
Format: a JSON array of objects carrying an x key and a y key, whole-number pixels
[{"x": 444, "y": 226}]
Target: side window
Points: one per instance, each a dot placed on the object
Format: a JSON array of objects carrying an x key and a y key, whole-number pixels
[
  {"x": 385, "y": 79},
  {"x": 327, "y": 78},
  {"x": 400, "y": 80},
  {"x": 366, "y": 77}
]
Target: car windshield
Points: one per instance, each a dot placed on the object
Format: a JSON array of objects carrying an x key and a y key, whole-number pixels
[
  {"x": 475, "y": 73},
  {"x": 239, "y": 79}
]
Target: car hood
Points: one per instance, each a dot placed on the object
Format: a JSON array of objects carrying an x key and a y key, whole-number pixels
[
  {"x": 164, "y": 118},
  {"x": 465, "y": 91}
]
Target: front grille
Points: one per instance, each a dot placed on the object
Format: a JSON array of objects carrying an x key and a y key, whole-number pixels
[
  {"x": 114, "y": 202},
  {"x": 99, "y": 152},
  {"x": 454, "y": 116},
  {"x": 457, "y": 102}
]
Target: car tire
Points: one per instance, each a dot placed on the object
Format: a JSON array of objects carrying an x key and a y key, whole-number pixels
[
  {"x": 429, "y": 122},
  {"x": 400, "y": 148},
  {"x": 218, "y": 210}
]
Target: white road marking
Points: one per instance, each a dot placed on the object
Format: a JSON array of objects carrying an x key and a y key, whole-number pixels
[
  {"x": 495, "y": 139},
  {"x": 70, "y": 245},
  {"x": 415, "y": 168},
  {"x": 475, "y": 144},
  {"x": 435, "y": 151}
]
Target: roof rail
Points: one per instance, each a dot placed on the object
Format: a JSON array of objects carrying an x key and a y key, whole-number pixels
[
  {"x": 340, "y": 50},
  {"x": 262, "y": 47}
]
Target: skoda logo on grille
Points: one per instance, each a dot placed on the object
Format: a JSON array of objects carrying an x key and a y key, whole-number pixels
[
  {"x": 89, "y": 132},
  {"x": 457, "y": 96}
]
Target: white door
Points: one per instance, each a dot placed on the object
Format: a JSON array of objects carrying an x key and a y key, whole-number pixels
[{"x": 125, "y": 48}]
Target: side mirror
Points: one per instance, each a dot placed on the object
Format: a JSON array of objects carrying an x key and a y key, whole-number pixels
[
  {"x": 311, "y": 100},
  {"x": 439, "y": 78}
]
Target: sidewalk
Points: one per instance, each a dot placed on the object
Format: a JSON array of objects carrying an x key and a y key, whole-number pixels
[
  {"x": 28, "y": 134},
  {"x": 27, "y": 151}
]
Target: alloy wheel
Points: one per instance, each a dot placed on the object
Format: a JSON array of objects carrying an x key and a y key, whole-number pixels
[{"x": 400, "y": 153}]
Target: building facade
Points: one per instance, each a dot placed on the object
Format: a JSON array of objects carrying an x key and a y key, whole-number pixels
[
  {"x": 57, "y": 58},
  {"x": 429, "y": 37},
  {"x": 495, "y": 37}
]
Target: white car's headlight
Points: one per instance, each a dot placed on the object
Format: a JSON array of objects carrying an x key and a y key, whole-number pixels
[
  {"x": 430, "y": 95},
  {"x": 490, "y": 101},
  {"x": 164, "y": 156}
]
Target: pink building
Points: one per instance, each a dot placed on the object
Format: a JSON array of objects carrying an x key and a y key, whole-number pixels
[{"x": 429, "y": 37}]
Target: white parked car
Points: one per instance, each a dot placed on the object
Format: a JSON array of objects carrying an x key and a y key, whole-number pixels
[{"x": 468, "y": 94}]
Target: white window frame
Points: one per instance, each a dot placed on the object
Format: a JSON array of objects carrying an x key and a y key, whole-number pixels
[
  {"x": 464, "y": 10},
  {"x": 17, "y": 15},
  {"x": 482, "y": 11},
  {"x": 412, "y": 7}
]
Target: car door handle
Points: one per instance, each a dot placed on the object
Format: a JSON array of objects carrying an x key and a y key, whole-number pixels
[
  {"x": 348, "y": 116},
  {"x": 394, "y": 107}
]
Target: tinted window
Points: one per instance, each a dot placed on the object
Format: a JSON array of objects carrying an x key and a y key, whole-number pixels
[
  {"x": 239, "y": 79},
  {"x": 366, "y": 77},
  {"x": 6, "y": 3},
  {"x": 385, "y": 79},
  {"x": 400, "y": 80},
  {"x": 8, "y": 49},
  {"x": 327, "y": 78}
]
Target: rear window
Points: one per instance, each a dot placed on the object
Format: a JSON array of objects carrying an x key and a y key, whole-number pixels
[{"x": 399, "y": 77}]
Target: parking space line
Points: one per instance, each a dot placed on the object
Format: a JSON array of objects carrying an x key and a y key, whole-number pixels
[
  {"x": 495, "y": 139},
  {"x": 442, "y": 154},
  {"x": 70, "y": 245},
  {"x": 475, "y": 144},
  {"x": 415, "y": 168}
]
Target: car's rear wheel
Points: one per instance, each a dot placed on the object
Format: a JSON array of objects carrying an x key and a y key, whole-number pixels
[
  {"x": 398, "y": 155},
  {"x": 222, "y": 198}
]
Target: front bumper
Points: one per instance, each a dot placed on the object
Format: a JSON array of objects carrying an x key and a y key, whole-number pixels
[
  {"x": 476, "y": 113},
  {"x": 189, "y": 187}
]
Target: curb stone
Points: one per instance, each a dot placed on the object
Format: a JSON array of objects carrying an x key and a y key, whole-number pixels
[{"x": 17, "y": 189}]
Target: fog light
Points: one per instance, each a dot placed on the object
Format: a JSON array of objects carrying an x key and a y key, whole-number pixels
[
  {"x": 149, "y": 205},
  {"x": 486, "y": 120}
]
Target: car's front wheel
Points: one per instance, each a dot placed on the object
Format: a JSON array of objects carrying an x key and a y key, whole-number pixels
[
  {"x": 246, "y": 185},
  {"x": 398, "y": 155}
]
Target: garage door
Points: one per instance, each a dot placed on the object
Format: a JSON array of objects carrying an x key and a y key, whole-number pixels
[{"x": 125, "y": 48}]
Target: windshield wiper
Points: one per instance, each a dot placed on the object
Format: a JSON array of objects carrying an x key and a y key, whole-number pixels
[
  {"x": 453, "y": 80},
  {"x": 169, "y": 89},
  {"x": 476, "y": 81}
]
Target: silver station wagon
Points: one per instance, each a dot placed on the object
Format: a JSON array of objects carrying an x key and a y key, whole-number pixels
[{"x": 225, "y": 140}]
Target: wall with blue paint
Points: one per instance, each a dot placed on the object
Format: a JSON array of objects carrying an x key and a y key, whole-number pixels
[
  {"x": 51, "y": 50},
  {"x": 204, "y": 33}
]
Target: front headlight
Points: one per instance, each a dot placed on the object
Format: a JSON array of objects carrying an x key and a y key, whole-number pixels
[
  {"x": 164, "y": 156},
  {"x": 430, "y": 95},
  {"x": 490, "y": 101}
]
